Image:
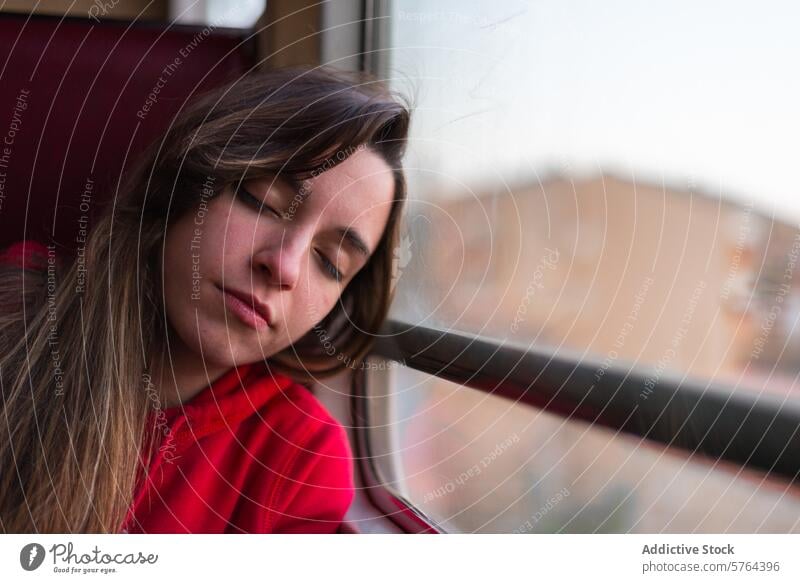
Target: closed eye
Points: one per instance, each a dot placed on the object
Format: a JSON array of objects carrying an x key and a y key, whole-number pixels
[
  {"x": 252, "y": 201},
  {"x": 327, "y": 265},
  {"x": 330, "y": 268}
]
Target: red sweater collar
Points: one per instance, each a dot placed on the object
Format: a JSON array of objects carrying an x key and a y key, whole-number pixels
[{"x": 238, "y": 393}]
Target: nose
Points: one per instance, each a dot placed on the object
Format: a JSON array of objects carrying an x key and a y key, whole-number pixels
[{"x": 280, "y": 263}]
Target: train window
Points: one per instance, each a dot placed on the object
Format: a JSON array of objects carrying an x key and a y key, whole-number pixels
[
  {"x": 597, "y": 181},
  {"x": 225, "y": 13},
  {"x": 614, "y": 179}
]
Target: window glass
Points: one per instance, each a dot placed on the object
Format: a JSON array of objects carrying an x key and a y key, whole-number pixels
[
  {"x": 615, "y": 178},
  {"x": 611, "y": 181},
  {"x": 224, "y": 13},
  {"x": 475, "y": 462}
]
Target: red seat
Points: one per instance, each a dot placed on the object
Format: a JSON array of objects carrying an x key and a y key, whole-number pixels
[{"x": 74, "y": 110}]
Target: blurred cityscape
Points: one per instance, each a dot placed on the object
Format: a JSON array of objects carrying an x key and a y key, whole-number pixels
[{"x": 631, "y": 274}]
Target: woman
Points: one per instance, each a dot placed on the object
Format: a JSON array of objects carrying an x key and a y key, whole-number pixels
[{"x": 152, "y": 383}]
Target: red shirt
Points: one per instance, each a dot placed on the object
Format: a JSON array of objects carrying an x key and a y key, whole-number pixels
[{"x": 253, "y": 452}]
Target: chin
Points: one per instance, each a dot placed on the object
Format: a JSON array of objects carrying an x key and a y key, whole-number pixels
[
  {"x": 227, "y": 349},
  {"x": 224, "y": 344},
  {"x": 232, "y": 346}
]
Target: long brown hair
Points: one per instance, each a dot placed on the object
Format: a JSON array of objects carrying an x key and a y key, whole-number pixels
[{"x": 75, "y": 339}]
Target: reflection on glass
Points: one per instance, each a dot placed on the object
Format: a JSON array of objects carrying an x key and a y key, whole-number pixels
[{"x": 474, "y": 462}]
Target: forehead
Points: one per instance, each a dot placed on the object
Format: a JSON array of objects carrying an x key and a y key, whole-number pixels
[{"x": 364, "y": 179}]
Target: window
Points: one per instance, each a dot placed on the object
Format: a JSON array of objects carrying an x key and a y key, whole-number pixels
[
  {"x": 608, "y": 183},
  {"x": 609, "y": 178},
  {"x": 237, "y": 14}
]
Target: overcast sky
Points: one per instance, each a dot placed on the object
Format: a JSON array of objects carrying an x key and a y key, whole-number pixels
[{"x": 685, "y": 90}]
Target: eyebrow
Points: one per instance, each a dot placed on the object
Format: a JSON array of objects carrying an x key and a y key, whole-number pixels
[{"x": 298, "y": 187}]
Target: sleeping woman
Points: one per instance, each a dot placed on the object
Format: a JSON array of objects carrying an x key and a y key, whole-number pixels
[{"x": 155, "y": 386}]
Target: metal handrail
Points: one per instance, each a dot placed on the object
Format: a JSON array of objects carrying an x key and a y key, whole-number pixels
[{"x": 702, "y": 417}]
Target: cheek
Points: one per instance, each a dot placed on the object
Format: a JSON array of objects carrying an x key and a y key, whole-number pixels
[
  {"x": 176, "y": 272},
  {"x": 227, "y": 237},
  {"x": 316, "y": 304}
]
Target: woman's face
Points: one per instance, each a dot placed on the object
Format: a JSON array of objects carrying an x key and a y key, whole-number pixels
[{"x": 295, "y": 265}]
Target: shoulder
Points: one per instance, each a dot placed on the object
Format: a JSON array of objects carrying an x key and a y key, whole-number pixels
[
  {"x": 315, "y": 483},
  {"x": 298, "y": 414},
  {"x": 27, "y": 253},
  {"x": 23, "y": 282},
  {"x": 314, "y": 436}
]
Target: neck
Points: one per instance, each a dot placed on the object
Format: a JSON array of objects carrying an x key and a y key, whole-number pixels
[{"x": 181, "y": 374}]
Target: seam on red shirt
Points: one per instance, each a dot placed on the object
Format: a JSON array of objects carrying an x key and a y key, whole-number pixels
[{"x": 282, "y": 479}]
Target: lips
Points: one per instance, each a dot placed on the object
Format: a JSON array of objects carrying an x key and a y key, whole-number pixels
[{"x": 249, "y": 309}]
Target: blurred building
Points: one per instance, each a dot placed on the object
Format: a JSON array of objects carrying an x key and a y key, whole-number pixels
[{"x": 627, "y": 274}]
